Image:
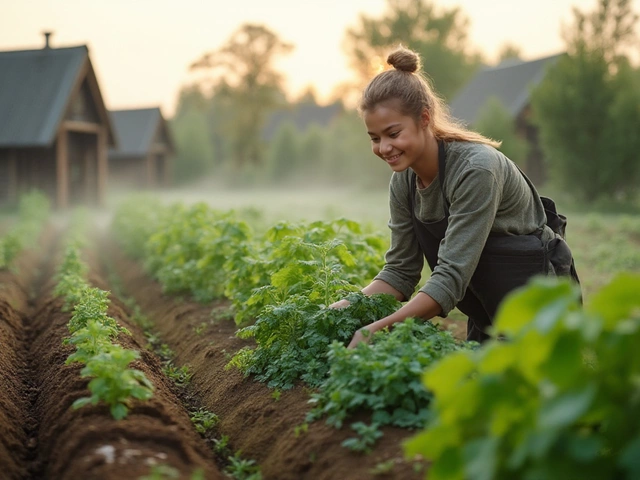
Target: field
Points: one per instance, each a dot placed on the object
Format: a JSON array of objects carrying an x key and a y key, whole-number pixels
[{"x": 206, "y": 419}]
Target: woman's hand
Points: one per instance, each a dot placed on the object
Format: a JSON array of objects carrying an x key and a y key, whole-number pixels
[
  {"x": 340, "y": 303},
  {"x": 363, "y": 334}
]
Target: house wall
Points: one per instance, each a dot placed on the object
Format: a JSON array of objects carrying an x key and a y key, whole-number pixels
[
  {"x": 127, "y": 173},
  {"x": 25, "y": 169}
]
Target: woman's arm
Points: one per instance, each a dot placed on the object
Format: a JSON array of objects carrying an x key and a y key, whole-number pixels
[
  {"x": 376, "y": 286},
  {"x": 420, "y": 306}
]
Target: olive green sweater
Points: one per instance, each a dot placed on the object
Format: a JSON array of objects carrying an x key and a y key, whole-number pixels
[{"x": 486, "y": 193}]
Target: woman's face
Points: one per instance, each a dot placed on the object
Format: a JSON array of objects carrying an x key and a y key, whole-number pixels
[{"x": 395, "y": 138}]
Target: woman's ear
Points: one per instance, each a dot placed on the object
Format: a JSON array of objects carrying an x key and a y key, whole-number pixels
[{"x": 425, "y": 118}]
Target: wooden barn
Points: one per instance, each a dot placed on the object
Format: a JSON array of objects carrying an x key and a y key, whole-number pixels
[
  {"x": 145, "y": 150},
  {"x": 54, "y": 128},
  {"x": 511, "y": 83}
]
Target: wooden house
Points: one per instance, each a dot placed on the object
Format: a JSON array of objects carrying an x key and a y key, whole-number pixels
[
  {"x": 510, "y": 82},
  {"x": 145, "y": 150},
  {"x": 54, "y": 128}
]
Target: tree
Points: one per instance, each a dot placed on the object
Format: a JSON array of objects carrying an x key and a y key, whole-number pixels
[
  {"x": 439, "y": 37},
  {"x": 509, "y": 51},
  {"x": 283, "y": 154},
  {"x": 193, "y": 146},
  {"x": 246, "y": 81},
  {"x": 587, "y": 108},
  {"x": 495, "y": 122}
]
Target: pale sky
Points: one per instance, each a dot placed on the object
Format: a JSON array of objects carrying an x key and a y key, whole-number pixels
[{"x": 141, "y": 49}]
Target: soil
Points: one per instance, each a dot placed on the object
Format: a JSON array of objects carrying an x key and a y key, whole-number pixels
[
  {"x": 42, "y": 436},
  {"x": 258, "y": 424}
]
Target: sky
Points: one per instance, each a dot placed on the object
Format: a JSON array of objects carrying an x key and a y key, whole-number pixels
[{"x": 141, "y": 49}]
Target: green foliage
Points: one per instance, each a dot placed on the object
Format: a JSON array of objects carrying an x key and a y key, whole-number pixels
[
  {"x": 383, "y": 378},
  {"x": 93, "y": 333},
  {"x": 180, "y": 376},
  {"x": 284, "y": 156},
  {"x": 250, "y": 85},
  {"x": 495, "y": 122},
  {"x": 190, "y": 247},
  {"x": 556, "y": 398},
  {"x": 33, "y": 211},
  {"x": 167, "y": 472},
  {"x": 587, "y": 107},
  {"x": 242, "y": 469},
  {"x": 300, "y": 259},
  {"x": 293, "y": 337},
  {"x": 367, "y": 437},
  {"x": 113, "y": 382},
  {"x": 194, "y": 150},
  {"x": 439, "y": 35},
  {"x": 10, "y": 247},
  {"x": 203, "y": 420},
  {"x": 92, "y": 305},
  {"x": 135, "y": 220}
]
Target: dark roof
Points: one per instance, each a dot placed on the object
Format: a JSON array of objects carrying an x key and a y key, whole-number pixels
[
  {"x": 35, "y": 86},
  {"x": 302, "y": 116},
  {"x": 510, "y": 83},
  {"x": 135, "y": 130}
]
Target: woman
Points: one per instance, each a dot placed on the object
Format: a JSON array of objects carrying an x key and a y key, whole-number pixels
[{"x": 455, "y": 199}]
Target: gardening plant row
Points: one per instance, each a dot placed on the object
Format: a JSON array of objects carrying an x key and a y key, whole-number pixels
[
  {"x": 284, "y": 280},
  {"x": 555, "y": 397},
  {"x": 43, "y": 436}
]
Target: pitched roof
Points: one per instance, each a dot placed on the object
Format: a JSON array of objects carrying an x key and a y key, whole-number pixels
[
  {"x": 510, "y": 82},
  {"x": 35, "y": 86},
  {"x": 136, "y": 129}
]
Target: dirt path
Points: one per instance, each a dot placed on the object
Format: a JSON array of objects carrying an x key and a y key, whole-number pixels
[{"x": 262, "y": 427}]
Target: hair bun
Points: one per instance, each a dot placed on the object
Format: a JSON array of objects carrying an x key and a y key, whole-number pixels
[{"x": 404, "y": 60}]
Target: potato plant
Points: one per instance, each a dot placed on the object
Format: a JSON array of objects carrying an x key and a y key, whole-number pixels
[{"x": 556, "y": 397}]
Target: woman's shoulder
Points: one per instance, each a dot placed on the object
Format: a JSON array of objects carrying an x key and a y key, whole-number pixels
[{"x": 474, "y": 154}]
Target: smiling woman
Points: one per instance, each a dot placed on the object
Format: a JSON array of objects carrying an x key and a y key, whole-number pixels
[{"x": 482, "y": 227}]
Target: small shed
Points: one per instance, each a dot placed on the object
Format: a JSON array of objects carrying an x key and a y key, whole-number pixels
[
  {"x": 145, "y": 149},
  {"x": 54, "y": 128},
  {"x": 511, "y": 82}
]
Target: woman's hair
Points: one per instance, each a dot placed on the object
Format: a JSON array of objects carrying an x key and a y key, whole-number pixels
[{"x": 408, "y": 85}]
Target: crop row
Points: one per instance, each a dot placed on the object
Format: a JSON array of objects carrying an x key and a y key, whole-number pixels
[
  {"x": 554, "y": 394},
  {"x": 93, "y": 333},
  {"x": 33, "y": 211}
]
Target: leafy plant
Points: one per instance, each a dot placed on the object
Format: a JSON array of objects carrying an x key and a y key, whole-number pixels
[
  {"x": 367, "y": 436},
  {"x": 293, "y": 337},
  {"x": 180, "y": 376},
  {"x": 242, "y": 469},
  {"x": 557, "y": 397},
  {"x": 113, "y": 382},
  {"x": 203, "y": 420},
  {"x": 383, "y": 378}
]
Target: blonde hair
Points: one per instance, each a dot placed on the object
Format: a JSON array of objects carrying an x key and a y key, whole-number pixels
[{"x": 407, "y": 84}]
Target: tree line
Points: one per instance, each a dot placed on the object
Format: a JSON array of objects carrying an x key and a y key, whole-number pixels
[{"x": 236, "y": 123}]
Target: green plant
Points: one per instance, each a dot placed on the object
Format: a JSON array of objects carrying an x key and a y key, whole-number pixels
[
  {"x": 180, "y": 376},
  {"x": 293, "y": 337},
  {"x": 383, "y": 378},
  {"x": 203, "y": 420},
  {"x": 557, "y": 397},
  {"x": 113, "y": 382},
  {"x": 367, "y": 436},
  {"x": 301, "y": 429},
  {"x": 242, "y": 469},
  {"x": 221, "y": 446}
]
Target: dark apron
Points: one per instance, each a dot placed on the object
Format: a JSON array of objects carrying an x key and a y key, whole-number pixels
[{"x": 507, "y": 262}]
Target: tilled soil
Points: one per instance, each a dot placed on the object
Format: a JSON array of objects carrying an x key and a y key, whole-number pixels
[
  {"x": 41, "y": 436},
  {"x": 263, "y": 428}
]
